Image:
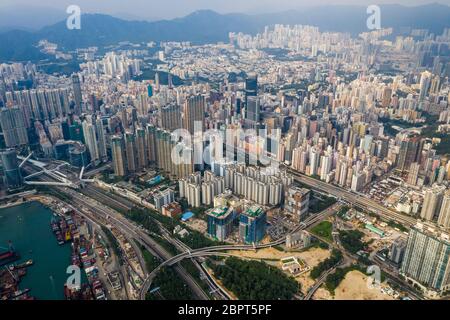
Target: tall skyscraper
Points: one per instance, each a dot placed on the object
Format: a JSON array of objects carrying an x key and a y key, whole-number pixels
[
  {"x": 253, "y": 109},
  {"x": 101, "y": 139},
  {"x": 427, "y": 259},
  {"x": 118, "y": 156},
  {"x": 194, "y": 111},
  {"x": 76, "y": 86},
  {"x": 93, "y": 102},
  {"x": 13, "y": 126},
  {"x": 397, "y": 251},
  {"x": 169, "y": 81},
  {"x": 410, "y": 150},
  {"x": 432, "y": 202},
  {"x": 425, "y": 81},
  {"x": 251, "y": 87},
  {"x": 314, "y": 157},
  {"x": 413, "y": 173},
  {"x": 252, "y": 224},
  {"x": 130, "y": 150},
  {"x": 25, "y": 105},
  {"x": 325, "y": 166},
  {"x": 386, "y": 99},
  {"x": 42, "y": 100},
  {"x": 151, "y": 144},
  {"x": 124, "y": 117},
  {"x": 35, "y": 105},
  {"x": 444, "y": 214},
  {"x": 90, "y": 137},
  {"x": 220, "y": 222},
  {"x": 142, "y": 104},
  {"x": 157, "y": 81},
  {"x": 10, "y": 164},
  {"x": 193, "y": 194},
  {"x": 141, "y": 146},
  {"x": 297, "y": 202},
  {"x": 171, "y": 117},
  {"x": 435, "y": 85}
]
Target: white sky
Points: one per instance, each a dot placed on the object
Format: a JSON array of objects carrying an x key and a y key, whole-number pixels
[{"x": 168, "y": 9}]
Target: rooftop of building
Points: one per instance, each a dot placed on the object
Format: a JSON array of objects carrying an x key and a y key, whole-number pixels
[
  {"x": 172, "y": 206},
  {"x": 433, "y": 232},
  {"x": 295, "y": 189},
  {"x": 218, "y": 212},
  {"x": 254, "y": 211}
]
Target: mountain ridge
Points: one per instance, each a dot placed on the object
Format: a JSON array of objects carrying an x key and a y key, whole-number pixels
[{"x": 207, "y": 26}]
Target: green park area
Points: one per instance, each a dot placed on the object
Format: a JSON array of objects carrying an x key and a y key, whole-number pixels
[
  {"x": 324, "y": 230},
  {"x": 255, "y": 280}
]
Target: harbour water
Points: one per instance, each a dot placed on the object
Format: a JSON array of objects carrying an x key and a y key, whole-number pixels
[{"x": 28, "y": 227}]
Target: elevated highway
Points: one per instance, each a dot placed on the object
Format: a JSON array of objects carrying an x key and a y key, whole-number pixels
[{"x": 220, "y": 250}]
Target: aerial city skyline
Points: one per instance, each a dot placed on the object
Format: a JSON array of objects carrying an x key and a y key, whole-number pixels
[{"x": 223, "y": 157}]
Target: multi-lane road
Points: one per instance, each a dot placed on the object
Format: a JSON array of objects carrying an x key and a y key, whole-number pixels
[{"x": 135, "y": 232}]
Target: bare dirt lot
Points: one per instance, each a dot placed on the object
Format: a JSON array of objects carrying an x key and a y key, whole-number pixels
[
  {"x": 353, "y": 287},
  {"x": 312, "y": 257}
]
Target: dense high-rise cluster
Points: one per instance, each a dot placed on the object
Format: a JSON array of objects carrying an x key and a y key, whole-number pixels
[{"x": 230, "y": 123}]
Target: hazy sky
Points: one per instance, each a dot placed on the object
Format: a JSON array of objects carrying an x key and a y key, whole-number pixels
[{"x": 175, "y": 8}]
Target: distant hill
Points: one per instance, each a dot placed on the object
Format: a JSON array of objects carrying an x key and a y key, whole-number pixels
[
  {"x": 207, "y": 26},
  {"x": 98, "y": 29}
]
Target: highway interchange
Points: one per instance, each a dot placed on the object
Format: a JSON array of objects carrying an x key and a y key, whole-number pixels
[
  {"x": 126, "y": 227},
  {"x": 102, "y": 203}
]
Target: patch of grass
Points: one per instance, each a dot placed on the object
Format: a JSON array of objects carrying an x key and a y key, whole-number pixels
[{"x": 324, "y": 230}]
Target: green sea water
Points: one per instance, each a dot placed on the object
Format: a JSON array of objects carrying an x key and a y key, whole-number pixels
[{"x": 28, "y": 227}]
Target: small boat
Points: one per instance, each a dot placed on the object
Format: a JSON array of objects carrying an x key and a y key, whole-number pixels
[
  {"x": 19, "y": 293},
  {"x": 21, "y": 265}
]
